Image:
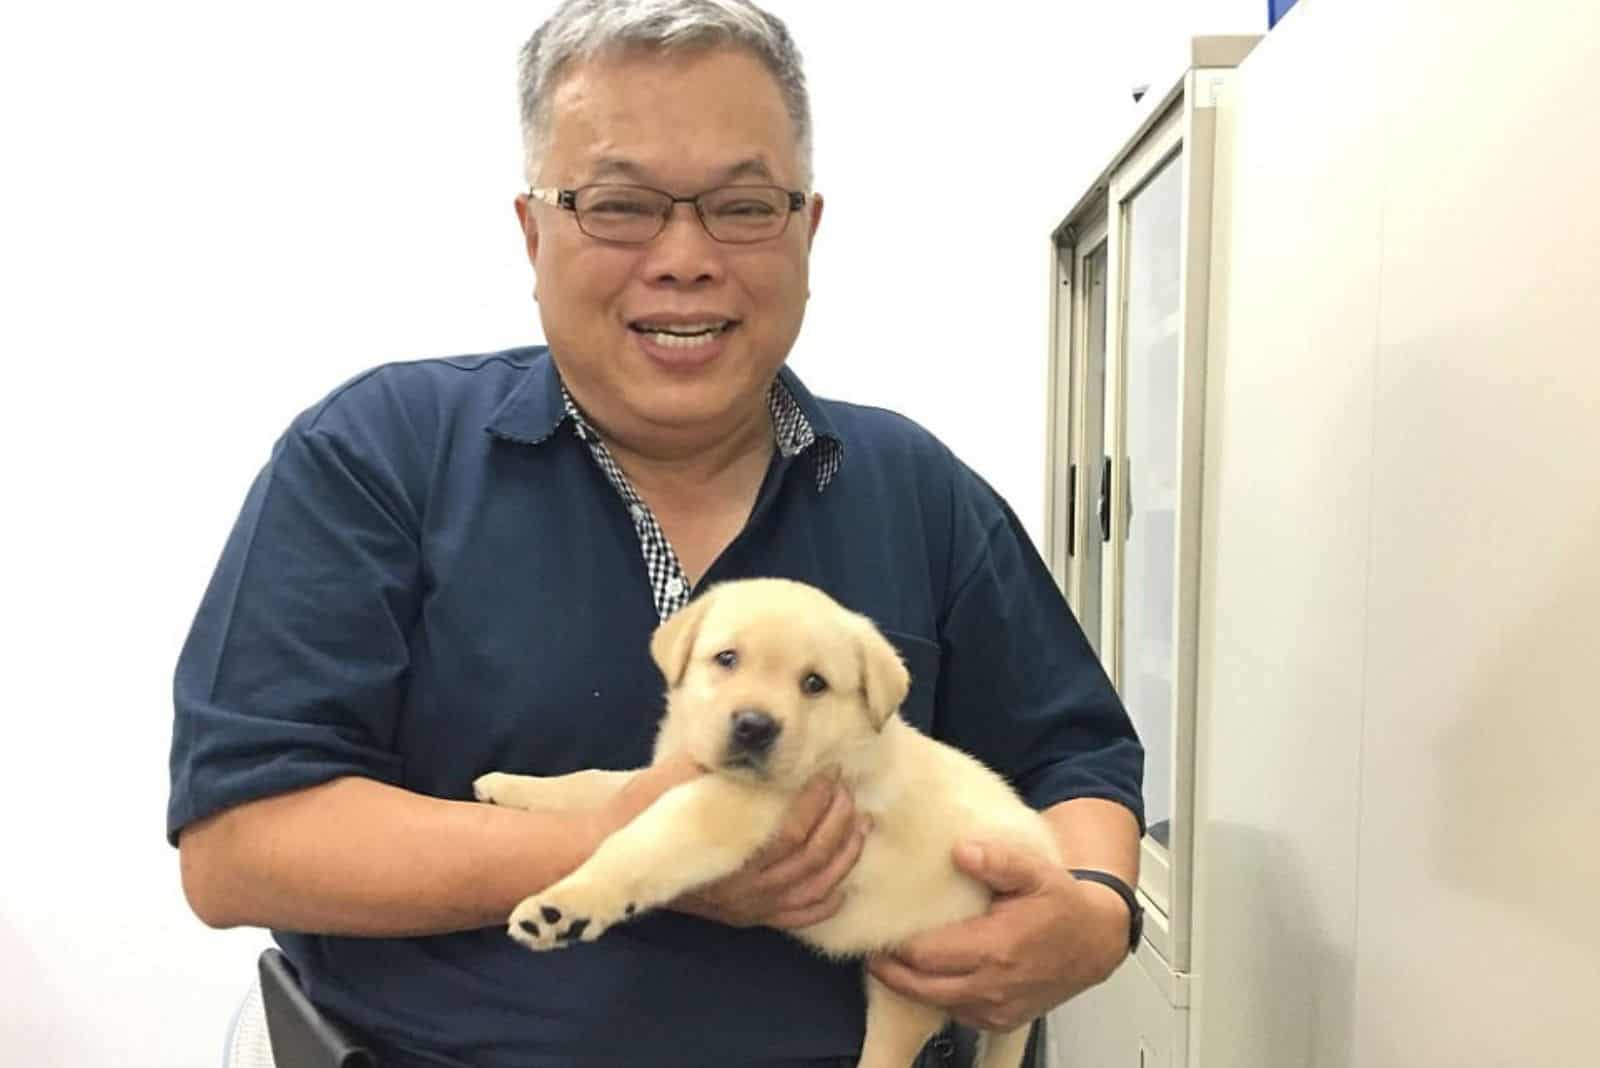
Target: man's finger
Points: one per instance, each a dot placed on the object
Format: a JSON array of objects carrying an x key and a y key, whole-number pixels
[
  {"x": 678, "y": 767},
  {"x": 830, "y": 835},
  {"x": 790, "y": 919},
  {"x": 644, "y": 787},
  {"x": 1001, "y": 868},
  {"x": 805, "y": 812},
  {"x": 824, "y": 881},
  {"x": 941, "y": 991},
  {"x": 959, "y": 949}
]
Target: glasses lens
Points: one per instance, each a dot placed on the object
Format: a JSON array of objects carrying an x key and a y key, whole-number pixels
[
  {"x": 621, "y": 212},
  {"x": 744, "y": 213}
]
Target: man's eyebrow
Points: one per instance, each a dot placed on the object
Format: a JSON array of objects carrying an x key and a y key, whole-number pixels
[
  {"x": 619, "y": 168},
  {"x": 612, "y": 168},
  {"x": 755, "y": 167}
]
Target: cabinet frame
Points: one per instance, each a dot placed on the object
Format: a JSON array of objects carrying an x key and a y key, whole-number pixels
[{"x": 1182, "y": 124}]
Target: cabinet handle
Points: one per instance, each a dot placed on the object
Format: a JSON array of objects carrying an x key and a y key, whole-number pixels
[
  {"x": 1072, "y": 510},
  {"x": 1105, "y": 498},
  {"x": 1127, "y": 496}
]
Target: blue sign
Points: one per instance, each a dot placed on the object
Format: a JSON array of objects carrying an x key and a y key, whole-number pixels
[{"x": 1276, "y": 9}]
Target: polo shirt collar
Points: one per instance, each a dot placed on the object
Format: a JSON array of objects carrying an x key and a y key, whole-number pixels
[
  {"x": 537, "y": 407},
  {"x": 534, "y": 409}
]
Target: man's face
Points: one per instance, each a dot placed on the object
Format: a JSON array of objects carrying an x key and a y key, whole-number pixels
[{"x": 684, "y": 125}]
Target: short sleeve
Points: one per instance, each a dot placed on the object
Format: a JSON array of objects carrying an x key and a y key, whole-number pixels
[
  {"x": 1020, "y": 686},
  {"x": 294, "y": 669}
]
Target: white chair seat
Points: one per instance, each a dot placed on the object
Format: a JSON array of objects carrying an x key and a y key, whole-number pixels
[{"x": 248, "y": 1043}]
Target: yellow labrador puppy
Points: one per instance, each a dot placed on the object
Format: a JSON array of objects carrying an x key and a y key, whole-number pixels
[{"x": 770, "y": 682}]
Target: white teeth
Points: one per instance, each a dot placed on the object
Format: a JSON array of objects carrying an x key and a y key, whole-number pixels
[
  {"x": 685, "y": 328},
  {"x": 687, "y": 336},
  {"x": 674, "y": 341}
]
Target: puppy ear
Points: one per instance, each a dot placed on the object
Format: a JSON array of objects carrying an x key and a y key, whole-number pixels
[
  {"x": 885, "y": 682},
  {"x": 673, "y": 640}
]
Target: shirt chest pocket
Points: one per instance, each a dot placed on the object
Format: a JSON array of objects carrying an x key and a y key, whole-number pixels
[{"x": 922, "y": 659}]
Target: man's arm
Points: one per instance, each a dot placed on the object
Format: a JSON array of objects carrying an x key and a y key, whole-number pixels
[
  {"x": 1101, "y": 835},
  {"x": 1047, "y": 936},
  {"x": 1098, "y": 834},
  {"x": 358, "y": 857}
]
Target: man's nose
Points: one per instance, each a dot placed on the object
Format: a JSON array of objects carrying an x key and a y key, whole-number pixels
[{"x": 683, "y": 251}]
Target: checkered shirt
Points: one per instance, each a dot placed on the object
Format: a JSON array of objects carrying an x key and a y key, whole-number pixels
[{"x": 668, "y": 583}]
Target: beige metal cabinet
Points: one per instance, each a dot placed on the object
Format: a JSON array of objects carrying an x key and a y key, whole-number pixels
[{"x": 1131, "y": 266}]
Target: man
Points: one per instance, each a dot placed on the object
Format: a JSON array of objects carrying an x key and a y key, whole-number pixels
[{"x": 454, "y": 566}]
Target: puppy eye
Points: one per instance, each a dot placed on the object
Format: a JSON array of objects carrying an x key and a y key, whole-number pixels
[
  {"x": 813, "y": 684},
  {"x": 727, "y": 658}
]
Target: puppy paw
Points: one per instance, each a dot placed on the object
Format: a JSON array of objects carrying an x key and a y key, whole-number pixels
[
  {"x": 495, "y": 788},
  {"x": 570, "y": 911}
]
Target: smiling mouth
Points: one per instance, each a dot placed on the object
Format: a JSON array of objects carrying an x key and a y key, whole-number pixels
[{"x": 684, "y": 335}]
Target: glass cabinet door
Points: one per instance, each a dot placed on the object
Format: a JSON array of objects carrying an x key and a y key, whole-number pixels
[
  {"x": 1151, "y": 383},
  {"x": 1094, "y": 469}
]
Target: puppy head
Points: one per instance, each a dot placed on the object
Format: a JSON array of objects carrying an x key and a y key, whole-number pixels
[{"x": 774, "y": 680}]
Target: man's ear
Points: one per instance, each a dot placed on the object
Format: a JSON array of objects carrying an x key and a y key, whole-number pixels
[
  {"x": 885, "y": 682},
  {"x": 673, "y": 640},
  {"x": 528, "y": 223}
]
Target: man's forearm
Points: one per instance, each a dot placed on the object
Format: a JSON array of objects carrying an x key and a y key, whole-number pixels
[
  {"x": 358, "y": 857},
  {"x": 1099, "y": 834},
  {"x": 1102, "y": 835}
]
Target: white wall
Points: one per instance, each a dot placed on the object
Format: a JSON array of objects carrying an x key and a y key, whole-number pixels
[
  {"x": 214, "y": 213},
  {"x": 1404, "y": 516}
]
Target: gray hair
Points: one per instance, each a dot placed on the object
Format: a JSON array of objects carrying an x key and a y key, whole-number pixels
[{"x": 582, "y": 29}]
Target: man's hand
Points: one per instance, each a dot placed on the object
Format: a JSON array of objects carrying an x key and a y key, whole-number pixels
[
  {"x": 642, "y": 790},
  {"x": 1046, "y": 938},
  {"x": 794, "y": 880}
]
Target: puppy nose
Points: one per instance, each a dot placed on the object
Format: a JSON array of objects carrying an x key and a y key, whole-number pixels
[{"x": 754, "y": 730}]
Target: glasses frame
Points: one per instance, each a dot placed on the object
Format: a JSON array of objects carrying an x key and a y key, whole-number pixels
[{"x": 567, "y": 200}]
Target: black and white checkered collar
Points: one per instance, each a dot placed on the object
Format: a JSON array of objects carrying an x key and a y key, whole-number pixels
[
  {"x": 669, "y": 584},
  {"x": 791, "y": 430}
]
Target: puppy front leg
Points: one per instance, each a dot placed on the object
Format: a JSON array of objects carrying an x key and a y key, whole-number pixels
[
  {"x": 580, "y": 791},
  {"x": 692, "y": 835}
]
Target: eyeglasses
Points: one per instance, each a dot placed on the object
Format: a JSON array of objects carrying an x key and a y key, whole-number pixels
[{"x": 635, "y": 214}]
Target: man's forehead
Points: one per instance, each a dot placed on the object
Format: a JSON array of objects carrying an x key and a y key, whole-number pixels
[
  {"x": 633, "y": 116},
  {"x": 608, "y": 167}
]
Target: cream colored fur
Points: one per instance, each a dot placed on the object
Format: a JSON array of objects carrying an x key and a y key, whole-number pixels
[{"x": 923, "y": 796}]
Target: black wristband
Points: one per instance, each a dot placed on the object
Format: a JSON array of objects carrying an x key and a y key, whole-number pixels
[{"x": 1124, "y": 891}]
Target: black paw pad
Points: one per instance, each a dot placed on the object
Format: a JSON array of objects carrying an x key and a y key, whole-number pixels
[
  {"x": 551, "y": 914},
  {"x": 530, "y": 927},
  {"x": 573, "y": 933}
]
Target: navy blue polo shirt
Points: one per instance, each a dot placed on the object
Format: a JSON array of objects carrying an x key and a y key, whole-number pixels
[{"x": 432, "y": 578}]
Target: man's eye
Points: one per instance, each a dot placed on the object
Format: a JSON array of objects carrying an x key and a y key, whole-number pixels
[
  {"x": 621, "y": 207},
  {"x": 813, "y": 684},
  {"x": 727, "y": 658},
  {"x": 745, "y": 209}
]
